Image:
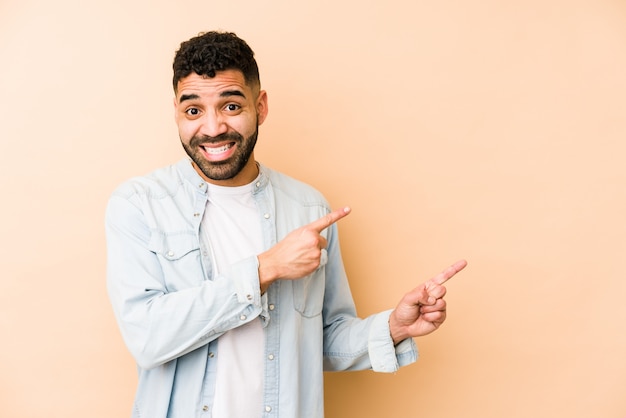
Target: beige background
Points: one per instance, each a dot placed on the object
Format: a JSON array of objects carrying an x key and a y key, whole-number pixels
[{"x": 488, "y": 130}]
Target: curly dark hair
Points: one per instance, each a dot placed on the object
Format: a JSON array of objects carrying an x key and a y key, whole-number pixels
[{"x": 214, "y": 51}]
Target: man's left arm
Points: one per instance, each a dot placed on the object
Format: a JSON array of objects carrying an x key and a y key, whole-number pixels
[
  {"x": 383, "y": 341},
  {"x": 350, "y": 342}
]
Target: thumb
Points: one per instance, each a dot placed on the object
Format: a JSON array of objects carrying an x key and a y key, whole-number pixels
[{"x": 420, "y": 296}]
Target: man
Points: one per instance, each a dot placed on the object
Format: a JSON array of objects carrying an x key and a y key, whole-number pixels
[{"x": 226, "y": 277}]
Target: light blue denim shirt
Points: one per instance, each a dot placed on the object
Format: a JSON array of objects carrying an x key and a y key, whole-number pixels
[{"x": 171, "y": 308}]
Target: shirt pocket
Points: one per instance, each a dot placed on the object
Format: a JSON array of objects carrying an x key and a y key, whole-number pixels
[
  {"x": 179, "y": 256},
  {"x": 308, "y": 293}
]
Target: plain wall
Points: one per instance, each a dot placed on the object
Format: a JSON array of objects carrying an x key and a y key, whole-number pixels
[{"x": 487, "y": 130}]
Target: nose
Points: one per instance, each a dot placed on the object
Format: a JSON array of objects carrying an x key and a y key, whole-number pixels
[{"x": 213, "y": 124}]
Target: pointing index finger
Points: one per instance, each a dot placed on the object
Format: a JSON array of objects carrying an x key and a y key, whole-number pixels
[
  {"x": 326, "y": 221},
  {"x": 448, "y": 273}
]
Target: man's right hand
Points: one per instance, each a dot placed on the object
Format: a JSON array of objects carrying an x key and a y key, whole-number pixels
[{"x": 299, "y": 253}]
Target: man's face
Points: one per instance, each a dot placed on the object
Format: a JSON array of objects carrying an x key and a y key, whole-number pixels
[{"x": 218, "y": 121}]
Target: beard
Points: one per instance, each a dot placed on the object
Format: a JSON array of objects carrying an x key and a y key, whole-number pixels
[{"x": 227, "y": 169}]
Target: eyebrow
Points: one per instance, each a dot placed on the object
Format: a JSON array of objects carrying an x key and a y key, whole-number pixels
[
  {"x": 226, "y": 93},
  {"x": 229, "y": 93},
  {"x": 185, "y": 97}
]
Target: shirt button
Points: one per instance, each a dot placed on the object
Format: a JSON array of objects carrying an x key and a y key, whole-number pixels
[
  {"x": 242, "y": 317},
  {"x": 258, "y": 184},
  {"x": 205, "y": 408},
  {"x": 266, "y": 216},
  {"x": 271, "y": 357},
  {"x": 271, "y": 307},
  {"x": 249, "y": 297},
  {"x": 268, "y": 408},
  {"x": 211, "y": 354},
  {"x": 170, "y": 253}
]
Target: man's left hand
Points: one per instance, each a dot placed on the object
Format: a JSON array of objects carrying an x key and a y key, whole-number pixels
[{"x": 422, "y": 310}]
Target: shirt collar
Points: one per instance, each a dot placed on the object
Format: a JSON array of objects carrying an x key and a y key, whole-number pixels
[{"x": 191, "y": 175}]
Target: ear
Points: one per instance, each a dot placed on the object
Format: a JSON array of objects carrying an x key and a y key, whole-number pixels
[
  {"x": 175, "y": 103},
  {"x": 261, "y": 107}
]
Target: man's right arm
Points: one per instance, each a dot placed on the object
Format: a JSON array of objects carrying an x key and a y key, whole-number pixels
[{"x": 159, "y": 324}]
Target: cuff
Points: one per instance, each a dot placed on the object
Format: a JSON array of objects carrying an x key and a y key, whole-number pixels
[
  {"x": 246, "y": 281},
  {"x": 384, "y": 356}
]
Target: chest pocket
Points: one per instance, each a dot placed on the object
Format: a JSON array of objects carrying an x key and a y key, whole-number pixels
[
  {"x": 308, "y": 293},
  {"x": 181, "y": 262}
]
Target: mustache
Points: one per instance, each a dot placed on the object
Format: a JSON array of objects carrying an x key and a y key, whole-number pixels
[{"x": 203, "y": 139}]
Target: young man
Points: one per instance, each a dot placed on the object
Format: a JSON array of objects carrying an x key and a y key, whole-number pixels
[{"x": 226, "y": 277}]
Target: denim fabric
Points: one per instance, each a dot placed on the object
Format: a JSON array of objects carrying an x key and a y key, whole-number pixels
[{"x": 171, "y": 308}]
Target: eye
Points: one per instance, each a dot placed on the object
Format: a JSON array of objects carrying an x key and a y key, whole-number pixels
[
  {"x": 192, "y": 111},
  {"x": 232, "y": 107}
]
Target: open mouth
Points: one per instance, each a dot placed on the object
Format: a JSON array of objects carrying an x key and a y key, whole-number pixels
[{"x": 219, "y": 152}]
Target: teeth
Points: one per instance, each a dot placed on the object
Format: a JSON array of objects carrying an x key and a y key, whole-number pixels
[{"x": 218, "y": 150}]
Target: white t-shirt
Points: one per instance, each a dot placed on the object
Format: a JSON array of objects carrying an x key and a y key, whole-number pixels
[{"x": 231, "y": 224}]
